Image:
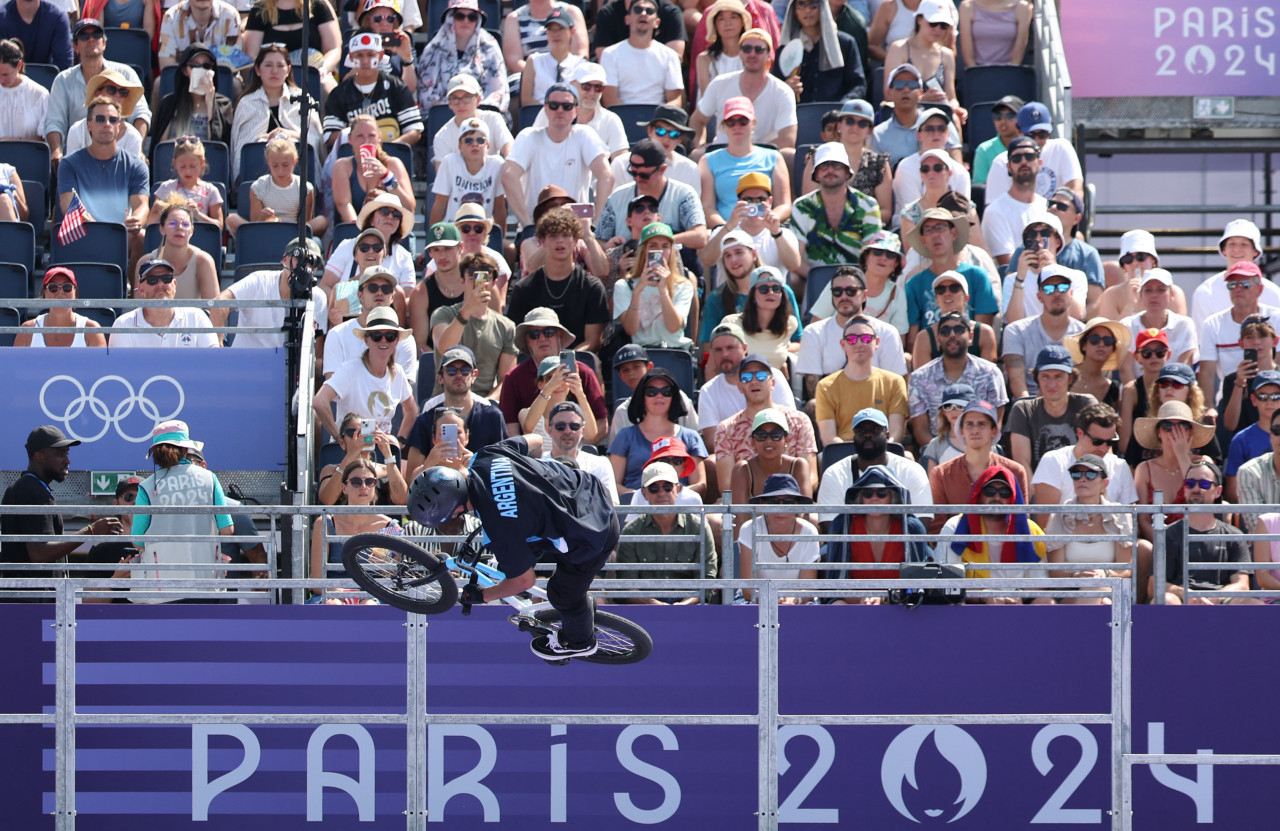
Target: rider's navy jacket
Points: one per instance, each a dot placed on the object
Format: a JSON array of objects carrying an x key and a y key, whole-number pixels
[{"x": 535, "y": 509}]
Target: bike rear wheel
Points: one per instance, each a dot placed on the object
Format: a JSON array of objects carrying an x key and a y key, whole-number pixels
[
  {"x": 399, "y": 573},
  {"x": 618, "y": 640}
]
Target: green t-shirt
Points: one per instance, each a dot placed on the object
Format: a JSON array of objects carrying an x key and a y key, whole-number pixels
[{"x": 984, "y": 156}]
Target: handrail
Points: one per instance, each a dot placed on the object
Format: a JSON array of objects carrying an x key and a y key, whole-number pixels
[
  {"x": 304, "y": 443},
  {"x": 1051, "y": 67}
]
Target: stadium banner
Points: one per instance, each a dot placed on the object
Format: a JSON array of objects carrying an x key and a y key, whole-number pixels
[
  {"x": 232, "y": 399},
  {"x": 241, "y": 776},
  {"x": 1170, "y": 47}
]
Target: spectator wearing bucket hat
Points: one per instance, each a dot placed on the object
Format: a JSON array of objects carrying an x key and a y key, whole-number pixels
[
  {"x": 1220, "y": 350},
  {"x": 541, "y": 336},
  {"x": 372, "y": 385},
  {"x": 779, "y": 489},
  {"x": 1137, "y": 255},
  {"x": 1060, "y": 166},
  {"x": 822, "y": 243},
  {"x": 758, "y": 15},
  {"x": 464, "y": 94},
  {"x": 177, "y": 481},
  {"x": 1047, "y": 421},
  {"x": 270, "y": 284},
  {"x": 678, "y": 204},
  {"x": 1241, "y": 241}
]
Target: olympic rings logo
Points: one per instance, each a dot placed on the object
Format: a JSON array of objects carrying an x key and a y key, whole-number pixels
[{"x": 110, "y": 417}]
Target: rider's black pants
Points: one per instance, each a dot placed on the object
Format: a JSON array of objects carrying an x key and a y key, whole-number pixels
[{"x": 567, "y": 592}]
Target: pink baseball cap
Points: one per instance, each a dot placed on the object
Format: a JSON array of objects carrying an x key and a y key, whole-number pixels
[{"x": 739, "y": 105}]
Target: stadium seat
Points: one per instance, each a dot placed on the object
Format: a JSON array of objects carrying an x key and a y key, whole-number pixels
[
  {"x": 979, "y": 127},
  {"x": 342, "y": 232},
  {"x": 31, "y": 158},
  {"x": 528, "y": 114},
  {"x": 313, "y": 82},
  {"x": 679, "y": 362},
  {"x": 263, "y": 242},
  {"x": 809, "y": 120},
  {"x": 991, "y": 83},
  {"x": 13, "y": 281},
  {"x": 18, "y": 242},
  {"x": 9, "y": 317},
  {"x": 216, "y": 154},
  {"x": 330, "y": 454},
  {"x": 131, "y": 46},
  {"x": 98, "y": 281},
  {"x": 206, "y": 236},
  {"x": 254, "y": 164},
  {"x": 426, "y": 380},
  {"x": 437, "y": 117},
  {"x": 103, "y": 242},
  {"x": 103, "y": 317},
  {"x": 225, "y": 81},
  {"x": 833, "y": 453},
  {"x": 635, "y": 118},
  {"x": 797, "y": 175},
  {"x": 875, "y": 89},
  {"x": 42, "y": 73},
  {"x": 819, "y": 277},
  {"x": 37, "y": 205}
]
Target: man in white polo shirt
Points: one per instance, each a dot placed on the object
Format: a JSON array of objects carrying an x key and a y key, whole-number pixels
[{"x": 156, "y": 282}]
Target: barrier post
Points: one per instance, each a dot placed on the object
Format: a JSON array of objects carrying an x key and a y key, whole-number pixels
[
  {"x": 766, "y": 597},
  {"x": 65, "y": 696},
  {"x": 728, "y": 558},
  {"x": 1158, "y": 551}
]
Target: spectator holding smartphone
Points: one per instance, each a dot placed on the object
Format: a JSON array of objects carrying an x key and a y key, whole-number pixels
[{"x": 653, "y": 303}]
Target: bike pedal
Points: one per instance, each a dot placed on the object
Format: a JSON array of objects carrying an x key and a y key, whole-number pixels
[{"x": 560, "y": 663}]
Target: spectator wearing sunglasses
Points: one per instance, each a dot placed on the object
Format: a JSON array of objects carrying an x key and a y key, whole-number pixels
[
  {"x": 43, "y": 30},
  {"x": 1004, "y": 114},
  {"x": 767, "y": 452},
  {"x": 367, "y": 250},
  {"x": 631, "y": 363},
  {"x": 1241, "y": 241},
  {"x": 736, "y": 436},
  {"x": 1202, "y": 485},
  {"x": 1097, "y": 435},
  {"x": 611, "y": 26},
  {"x": 157, "y": 281},
  {"x": 1219, "y": 355},
  {"x": 464, "y": 95},
  {"x": 767, "y": 319},
  {"x": 661, "y": 484},
  {"x": 359, "y": 487},
  {"x": 368, "y": 89},
  {"x": 473, "y": 323},
  {"x": 481, "y": 418},
  {"x": 917, "y": 176},
  {"x": 1254, "y": 440},
  {"x": 898, "y": 135},
  {"x": 1099, "y": 351},
  {"x": 779, "y": 489},
  {"x": 1090, "y": 483},
  {"x": 1177, "y": 435},
  {"x": 754, "y": 221},
  {"x": 1235, "y": 407},
  {"x": 831, "y": 66},
  {"x": 472, "y": 167},
  {"x": 858, "y": 386},
  {"x": 588, "y": 79},
  {"x": 541, "y": 335},
  {"x": 1042, "y": 240},
  {"x": 854, "y": 122},
  {"x": 390, "y": 489},
  {"x": 951, "y": 293},
  {"x": 381, "y": 213},
  {"x": 195, "y": 107},
  {"x": 942, "y": 238},
  {"x": 376, "y": 288},
  {"x": 565, "y": 426},
  {"x": 1007, "y": 215},
  {"x": 1137, "y": 256},
  {"x": 1026, "y": 339},
  {"x": 1060, "y": 167},
  {"x": 654, "y": 413},
  {"x": 954, "y": 365},
  {"x": 67, "y": 103},
  {"x": 673, "y": 452},
  {"x": 641, "y": 69},
  {"x": 1175, "y": 382},
  {"x": 931, "y": 47},
  {"x": 956, "y": 481},
  {"x": 946, "y": 443},
  {"x": 273, "y": 284},
  {"x": 59, "y": 284},
  {"x": 1150, "y": 352},
  {"x": 678, "y": 203},
  {"x": 1258, "y": 480},
  {"x": 821, "y": 241},
  {"x": 462, "y": 45},
  {"x": 772, "y": 101},
  {"x": 708, "y": 34},
  {"x": 474, "y": 227},
  {"x": 115, "y": 86}
]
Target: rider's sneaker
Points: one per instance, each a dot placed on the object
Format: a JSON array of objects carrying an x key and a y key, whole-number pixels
[{"x": 550, "y": 649}]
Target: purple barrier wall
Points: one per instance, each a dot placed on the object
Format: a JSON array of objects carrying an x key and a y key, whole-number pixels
[{"x": 1192, "y": 689}]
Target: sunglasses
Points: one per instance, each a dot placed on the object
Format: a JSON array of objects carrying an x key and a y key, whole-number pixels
[
  {"x": 561, "y": 105},
  {"x": 854, "y": 340},
  {"x": 1042, "y": 233},
  {"x": 643, "y": 11},
  {"x": 382, "y": 337},
  {"x": 370, "y": 247},
  {"x": 129, "y": 496},
  {"x": 1148, "y": 354},
  {"x": 379, "y": 288},
  {"x": 178, "y": 224},
  {"x": 1061, "y": 206},
  {"x": 845, "y": 291},
  {"x": 948, "y": 331},
  {"x": 350, "y": 432},
  {"x": 1267, "y": 396},
  {"x": 877, "y": 493},
  {"x": 593, "y": 86},
  {"x": 637, "y": 173},
  {"x": 1232, "y": 285},
  {"x": 1202, "y": 484},
  {"x": 55, "y": 288},
  {"x": 657, "y": 487},
  {"x": 1090, "y": 474},
  {"x": 997, "y": 491},
  {"x": 91, "y": 34},
  {"x": 758, "y": 375},
  {"x": 469, "y": 140},
  {"x": 948, "y": 288},
  {"x": 654, "y": 392},
  {"x": 851, "y": 121},
  {"x": 1170, "y": 383},
  {"x": 384, "y": 212},
  {"x": 1019, "y": 158},
  {"x": 571, "y": 426},
  {"x": 1105, "y": 340},
  {"x": 1051, "y": 288},
  {"x": 776, "y": 434},
  {"x": 952, "y": 407},
  {"x": 753, "y": 50},
  {"x": 549, "y": 332},
  {"x": 106, "y": 119},
  {"x": 1039, "y": 135},
  {"x": 737, "y": 121},
  {"x": 201, "y": 65},
  {"x": 1097, "y": 442},
  {"x": 464, "y": 371},
  {"x": 111, "y": 89},
  {"x": 904, "y": 84},
  {"x": 470, "y": 228},
  {"x": 157, "y": 279},
  {"x": 1139, "y": 257},
  {"x": 932, "y": 168},
  {"x": 470, "y": 17},
  {"x": 934, "y": 128},
  {"x": 361, "y": 482},
  {"x": 769, "y": 288},
  {"x": 1275, "y": 429},
  {"x": 942, "y": 25},
  {"x": 1004, "y": 115}
]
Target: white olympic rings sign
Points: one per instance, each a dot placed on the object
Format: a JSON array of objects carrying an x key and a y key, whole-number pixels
[{"x": 111, "y": 417}]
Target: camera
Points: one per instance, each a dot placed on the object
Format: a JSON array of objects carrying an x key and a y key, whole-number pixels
[
  {"x": 755, "y": 210},
  {"x": 302, "y": 278}
]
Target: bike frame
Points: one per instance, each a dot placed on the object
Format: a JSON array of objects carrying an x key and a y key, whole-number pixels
[{"x": 486, "y": 576}]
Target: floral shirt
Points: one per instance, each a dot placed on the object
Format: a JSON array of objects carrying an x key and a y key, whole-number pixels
[
  {"x": 927, "y": 384},
  {"x": 825, "y": 245},
  {"x": 179, "y": 29},
  {"x": 482, "y": 58},
  {"x": 733, "y": 436}
]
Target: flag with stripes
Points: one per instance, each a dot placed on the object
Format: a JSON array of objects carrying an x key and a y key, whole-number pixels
[{"x": 73, "y": 222}]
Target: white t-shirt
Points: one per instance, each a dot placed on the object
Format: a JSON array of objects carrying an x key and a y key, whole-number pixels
[
  {"x": 163, "y": 337},
  {"x": 720, "y": 398},
  {"x": 455, "y": 181},
  {"x": 1055, "y": 470},
  {"x": 1211, "y": 297},
  {"x": 1180, "y": 330},
  {"x": 1005, "y": 219},
  {"x": 679, "y": 169},
  {"x": 908, "y": 185},
  {"x": 446, "y": 138},
  {"x": 342, "y": 346},
  {"x": 1031, "y": 304},
  {"x": 360, "y": 392},
  {"x": 840, "y": 477},
  {"x": 821, "y": 353},
  {"x": 642, "y": 76},
  {"x": 78, "y": 139},
  {"x": 566, "y": 163},
  {"x": 775, "y": 107},
  {"x": 1220, "y": 341},
  {"x": 608, "y": 127},
  {"x": 400, "y": 263},
  {"x": 801, "y": 553},
  {"x": 1059, "y": 164},
  {"x": 265, "y": 285}
]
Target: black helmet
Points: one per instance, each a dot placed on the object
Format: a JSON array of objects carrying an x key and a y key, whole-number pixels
[{"x": 435, "y": 494}]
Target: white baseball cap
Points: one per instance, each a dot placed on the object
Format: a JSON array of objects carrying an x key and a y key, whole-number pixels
[
  {"x": 1156, "y": 275},
  {"x": 737, "y": 237},
  {"x": 588, "y": 72}
]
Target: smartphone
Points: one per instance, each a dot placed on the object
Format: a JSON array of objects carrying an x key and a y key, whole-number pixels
[
  {"x": 1251, "y": 355},
  {"x": 569, "y": 361},
  {"x": 755, "y": 210},
  {"x": 482, "y": 280},
  {"x": 449, "y": 435},
  {"x": 367, "y": 428},
  {"x": 582, "y": 210},
  {"x": 390, "y": 41}
]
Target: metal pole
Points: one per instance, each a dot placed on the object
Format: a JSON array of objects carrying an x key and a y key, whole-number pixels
[
  {"x": 416, "y": 727},
  {"x": 728, "y": 552},
  {"x": 65, "y": 696},
  {"x": 766, "y": 597},
  {"x": 1121, "y": 697},
  {"x": 1158, "y": 553}
]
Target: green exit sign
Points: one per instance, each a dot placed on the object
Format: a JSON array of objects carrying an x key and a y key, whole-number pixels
[{"x": 103, "y": 482}]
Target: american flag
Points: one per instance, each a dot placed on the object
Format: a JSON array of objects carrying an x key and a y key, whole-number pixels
[{"x": 73, "y": 223}]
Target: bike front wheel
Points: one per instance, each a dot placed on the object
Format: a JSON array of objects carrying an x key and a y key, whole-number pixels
[
  {"x": 400, "y": 573},
  {"x": 618, "y": 640}
]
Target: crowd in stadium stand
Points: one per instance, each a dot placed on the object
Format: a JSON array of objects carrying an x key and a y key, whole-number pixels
[{"x": 699, "y": 247}]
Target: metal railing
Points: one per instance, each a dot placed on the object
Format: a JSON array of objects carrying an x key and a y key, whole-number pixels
[
  {"x": 1053, "y": 76},
  {"x": 104, "y": 303}
]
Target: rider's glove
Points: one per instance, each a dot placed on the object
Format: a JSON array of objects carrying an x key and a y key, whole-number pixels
[{"x": 472, "y": 593}]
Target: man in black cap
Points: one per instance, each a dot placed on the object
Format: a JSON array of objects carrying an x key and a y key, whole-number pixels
[
  {"x": 621, "y": 256},
  {"x": 48, "y": 460},
  {"x": 1005, "y": 115},
  {"x": 678, "y": 203},
  {"x": 669, "y": 127}
]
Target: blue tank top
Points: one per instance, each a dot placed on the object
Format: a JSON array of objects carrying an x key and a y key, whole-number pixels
[
  {"x": 727, "y": 169},
  {"x": 129, "y": 12}
]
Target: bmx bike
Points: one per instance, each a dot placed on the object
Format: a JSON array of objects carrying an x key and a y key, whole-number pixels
[{"x": 409, "y": 577}]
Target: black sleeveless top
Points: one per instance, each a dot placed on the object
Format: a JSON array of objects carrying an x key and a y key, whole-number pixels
[{"x": 975, "y": 344}]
